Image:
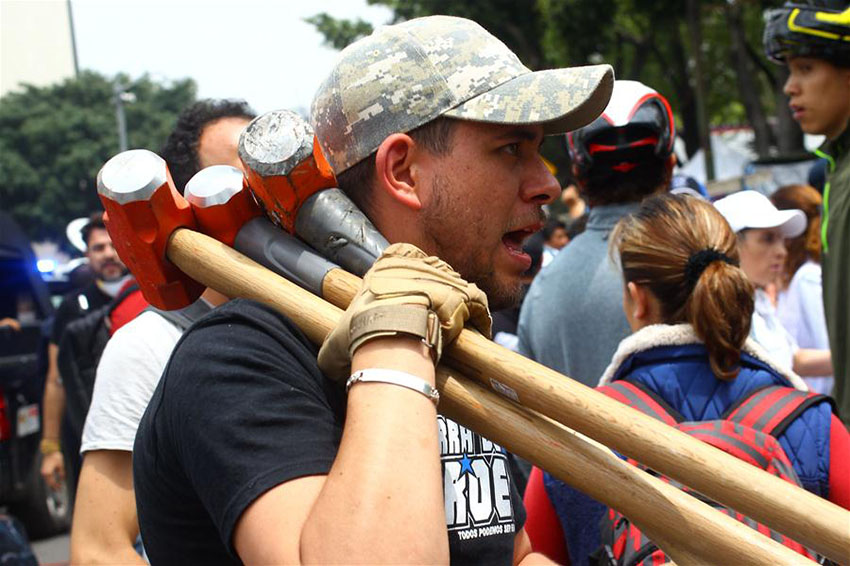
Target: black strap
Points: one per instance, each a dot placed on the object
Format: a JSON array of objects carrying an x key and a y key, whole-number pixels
[
  {"x": 644, "y": 390},
  {"x": 793, "y": 402},
  {"x": 185, "y": 317}
]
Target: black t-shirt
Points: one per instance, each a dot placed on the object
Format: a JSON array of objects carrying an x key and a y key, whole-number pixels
[
  {"x": 74, "y": 305},
  {"x": 242, "y": 407}
]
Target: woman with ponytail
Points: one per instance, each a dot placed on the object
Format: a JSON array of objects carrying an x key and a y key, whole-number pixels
[{"x": 690, "y": 306}]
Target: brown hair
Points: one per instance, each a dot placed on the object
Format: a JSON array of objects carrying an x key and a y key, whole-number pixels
[
  {"x": 806, "y": 245},
  {"x": 95, "y": 223},
  {"x": 356, "y": 181},
  {"x": 657, "y": 246}
]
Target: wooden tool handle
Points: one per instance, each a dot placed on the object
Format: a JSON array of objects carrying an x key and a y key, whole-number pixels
[
  {"x": 789, "y": 509},
  {"x": 688, "y": 530},
  {"x": 666, "y": 514}
]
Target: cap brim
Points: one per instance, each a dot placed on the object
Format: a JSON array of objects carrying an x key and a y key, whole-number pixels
[
  {"x": 792, "y": 223},
  {"x": 561, "y": 100}
]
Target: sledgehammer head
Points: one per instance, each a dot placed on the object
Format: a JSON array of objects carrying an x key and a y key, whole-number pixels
[
  {"x": 221, "y": 201},
  {"x": 284, "y": 163},
  {"x": 143, "y": 209}
]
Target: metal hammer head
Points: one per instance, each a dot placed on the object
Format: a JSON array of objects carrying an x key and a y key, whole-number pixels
[
  {"x": 143, "y": 209},
  {"x": 284, "y": 164},
  {"x": 221, "y": 201}
]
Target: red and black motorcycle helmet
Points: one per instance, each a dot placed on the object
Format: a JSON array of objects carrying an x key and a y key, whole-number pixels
[
  {"x": 636, "y": 126},
  {"x": 819, "y": 29}
]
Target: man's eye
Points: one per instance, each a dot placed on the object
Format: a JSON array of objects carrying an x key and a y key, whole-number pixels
[{"x": 511, "y": 148}]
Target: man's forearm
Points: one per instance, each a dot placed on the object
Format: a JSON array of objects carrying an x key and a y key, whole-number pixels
[
  {"x": 53, "y": 407},
  {"x": 53, "y": 403},
  {"x": 105, "y": 524},
  {"x": 383, "y": 498}
]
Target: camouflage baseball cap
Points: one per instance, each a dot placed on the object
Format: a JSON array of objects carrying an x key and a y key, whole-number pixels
[{"x": 405, "y": 75}]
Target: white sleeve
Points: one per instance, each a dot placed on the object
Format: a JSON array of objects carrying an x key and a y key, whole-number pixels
[
  {"x": 127, "y": 375},
  {"x": 811, "y": 307}
]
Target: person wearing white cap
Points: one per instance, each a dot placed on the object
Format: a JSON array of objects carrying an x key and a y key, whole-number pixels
[{"x": 762, "y": 230}]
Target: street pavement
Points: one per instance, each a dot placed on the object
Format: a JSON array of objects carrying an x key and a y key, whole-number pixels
[{"x": 53, "y": 551}]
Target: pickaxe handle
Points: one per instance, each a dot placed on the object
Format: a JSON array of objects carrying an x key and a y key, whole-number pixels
[
  {"x": 770, "y": 500},
  {"x": 718, "y": 475},
  {"x": 789, "y": 509},
  {"x": 689, "y": 530}
]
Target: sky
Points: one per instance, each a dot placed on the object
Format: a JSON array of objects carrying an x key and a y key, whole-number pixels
[{"x": 259, "y": 50}]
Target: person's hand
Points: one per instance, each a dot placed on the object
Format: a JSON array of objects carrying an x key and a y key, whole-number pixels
[
  {"x": 11, "y": 323},
  {"x": 410, "y": 293},
  {"x": 53, "y": 469}
]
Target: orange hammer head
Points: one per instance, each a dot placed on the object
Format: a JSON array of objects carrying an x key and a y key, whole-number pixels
[
  {"x": 284, "y": 164},
  {"x": 221, "y": 202},
  {"x": 143, "y": 209}
]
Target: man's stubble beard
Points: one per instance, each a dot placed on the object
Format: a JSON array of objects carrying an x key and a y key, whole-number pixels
[
  {"x": 122, "y": 272},
  {"x": 500, "y": 295}
]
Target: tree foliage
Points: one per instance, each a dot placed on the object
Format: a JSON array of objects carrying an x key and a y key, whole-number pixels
[
  {"x": 646, "y": 40},
  {"x": 54, "y": 139}
]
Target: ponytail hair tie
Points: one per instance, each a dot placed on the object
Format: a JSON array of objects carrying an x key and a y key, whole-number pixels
[{"x": 702, "y": 259}]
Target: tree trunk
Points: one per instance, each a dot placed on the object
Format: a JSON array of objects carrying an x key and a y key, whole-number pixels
[
  {"x": 680, "y": 78},
  {"x": 789, "y": 136},
  {"x": 695, "y": 32},
  {"x": 748, "y": 86}
]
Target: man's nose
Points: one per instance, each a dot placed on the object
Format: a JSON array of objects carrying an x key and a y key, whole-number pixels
[
  {"x": 541, "y": 187},
  {"x": 790, "y": 86}
]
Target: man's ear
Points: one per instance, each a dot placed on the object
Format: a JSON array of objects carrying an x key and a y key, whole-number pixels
[
  {"x": 395, "y": 172},
  {"x": 639, "y": 301}
]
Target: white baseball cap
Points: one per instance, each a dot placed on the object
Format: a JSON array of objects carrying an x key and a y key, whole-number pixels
[{"x": 751, "y": 209}]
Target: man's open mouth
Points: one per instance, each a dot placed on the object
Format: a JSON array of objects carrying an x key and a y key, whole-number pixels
[{"x": 515, "y": 239}]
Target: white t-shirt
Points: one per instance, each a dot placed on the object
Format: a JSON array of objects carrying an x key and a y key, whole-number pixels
[
  {"x": 127, "y": 375},
  {"x": 800, "y": 309},
  {"x": 768, "y": 332}
]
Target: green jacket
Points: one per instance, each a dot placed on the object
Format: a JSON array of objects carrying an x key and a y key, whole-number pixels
[{"x": 835, "y": 235}]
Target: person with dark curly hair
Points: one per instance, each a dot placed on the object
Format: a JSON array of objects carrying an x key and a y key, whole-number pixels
[
  {"x": 105, "y": 528},
  {"x": 207, "y": 133}
]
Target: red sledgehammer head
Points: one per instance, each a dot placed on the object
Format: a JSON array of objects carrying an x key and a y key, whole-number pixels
[
  {"x": 221, "y": 202},
  {"x": 143, "y": 209},
  {"x": 284, "y": 164}
]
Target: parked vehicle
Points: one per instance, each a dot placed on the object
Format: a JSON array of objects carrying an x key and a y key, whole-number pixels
[{"x": 25, "y": 310}]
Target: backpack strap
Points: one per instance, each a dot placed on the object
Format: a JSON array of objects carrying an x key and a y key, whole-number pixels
[
  {"x": 185, "y": 317},
  {"x": 119, "y": 298},
  {"x": 771, "y": 409},
  {"x": 644, "y": 400}
]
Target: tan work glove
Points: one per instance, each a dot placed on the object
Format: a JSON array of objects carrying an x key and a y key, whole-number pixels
[{"x": 406, "y": 292}]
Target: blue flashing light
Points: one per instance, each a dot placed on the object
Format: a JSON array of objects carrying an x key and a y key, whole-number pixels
[{"x": 46, "y": 265}]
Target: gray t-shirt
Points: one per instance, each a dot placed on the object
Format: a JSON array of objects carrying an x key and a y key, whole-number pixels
[{"x": 572, "y": 319}]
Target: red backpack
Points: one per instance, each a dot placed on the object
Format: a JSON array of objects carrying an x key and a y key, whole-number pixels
[{"x": 747, "y": 430}]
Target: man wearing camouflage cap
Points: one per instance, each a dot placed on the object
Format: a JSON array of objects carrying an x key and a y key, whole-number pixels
[{"x": 252, "y": 450}]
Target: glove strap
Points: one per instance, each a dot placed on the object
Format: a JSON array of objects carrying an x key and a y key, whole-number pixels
[
  {"x": 394, "y": 377},
  {"x": 392, "y": 320}
]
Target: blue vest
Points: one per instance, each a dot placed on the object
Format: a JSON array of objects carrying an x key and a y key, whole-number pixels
[{"x": 682, "y": 376}]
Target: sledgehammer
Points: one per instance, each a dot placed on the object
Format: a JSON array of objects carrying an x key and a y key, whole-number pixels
[
  {"x": 226, "y": 210},
  {"x": 795, "y": 512},
  {"x": 294, "y": 184},
  {"x": 669, "y": 516}
]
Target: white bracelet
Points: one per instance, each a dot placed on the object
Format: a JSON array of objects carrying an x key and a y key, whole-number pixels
[{"x": 394, "y": 377}]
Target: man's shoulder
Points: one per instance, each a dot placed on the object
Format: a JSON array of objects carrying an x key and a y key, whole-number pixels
[
  {"x": 84, "y": 299},
  {"x": 239, "y": 333},
  {"x": 246, "y": 312}
]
